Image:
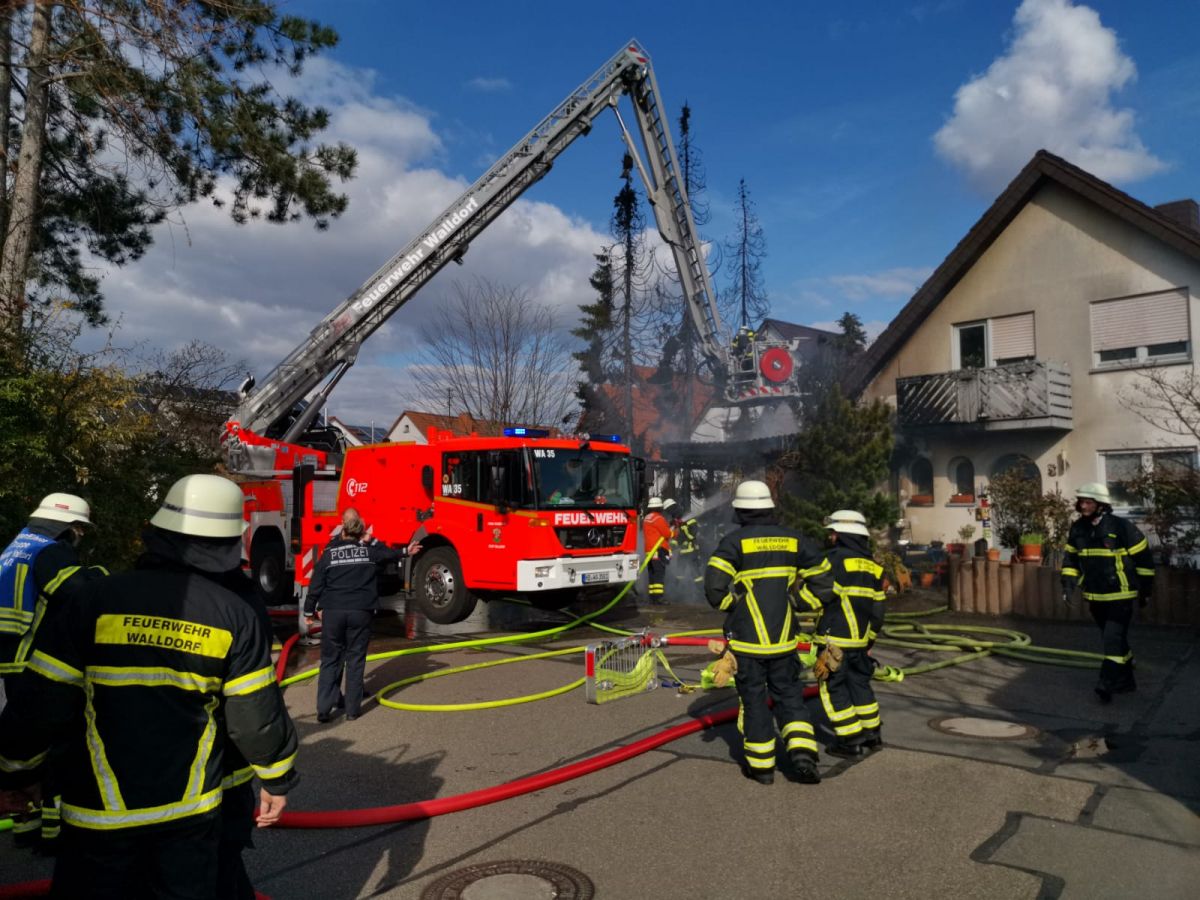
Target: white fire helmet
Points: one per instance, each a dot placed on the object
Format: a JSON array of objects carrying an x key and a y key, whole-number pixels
[
  {"x": 1094, "y": 490},
  {"x": 654, "y": 503},
  {"x": 753, "y": 495},
  {"x": 848, "y": 521},
  {"x": 202, "y": 506},
  {"x": 64, "y": 508}
]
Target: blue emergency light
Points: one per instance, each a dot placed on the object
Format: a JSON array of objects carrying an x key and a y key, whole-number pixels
[
  {"x": 526, "y": 432},
  {"x": 605, "y": 438}
]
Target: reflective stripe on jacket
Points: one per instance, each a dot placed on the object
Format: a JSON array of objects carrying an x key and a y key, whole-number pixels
[
  {"x": 1110, "y": 559},
  {"x": 846, "y": 587},
  {"x": 138, "y": 687},
  {"x": 750, "y": 575}
]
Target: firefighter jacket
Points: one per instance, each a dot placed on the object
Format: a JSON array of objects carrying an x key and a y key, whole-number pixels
[
  {"x": 345, "y": 576},
  {"x": 134, "y": 688},
  {"x": 1109, "y": 558},
  {"x": 35, "y": 569},
  {"x": 750, "y": 575},
  {"x": 686, "y": 532},
  {"x": 846, "y": 588},
  {"x": 654, "y": 528}
]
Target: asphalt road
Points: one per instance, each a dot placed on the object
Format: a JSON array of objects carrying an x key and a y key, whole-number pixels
[{"x": 1088, "y": 801}]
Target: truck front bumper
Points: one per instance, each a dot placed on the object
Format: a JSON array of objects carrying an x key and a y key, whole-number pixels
[{"x": 568, "y": 572}]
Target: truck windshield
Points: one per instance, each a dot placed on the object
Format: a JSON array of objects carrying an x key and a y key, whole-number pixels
[{"x": 582, "y": 478}]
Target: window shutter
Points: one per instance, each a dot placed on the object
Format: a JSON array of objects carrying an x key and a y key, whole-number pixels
[
  {"x": 1012, "y": 337},
  {"x": 1140, "y": 321}
]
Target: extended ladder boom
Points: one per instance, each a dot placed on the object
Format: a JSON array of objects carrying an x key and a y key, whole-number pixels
[{"x": 332, "y": 347}]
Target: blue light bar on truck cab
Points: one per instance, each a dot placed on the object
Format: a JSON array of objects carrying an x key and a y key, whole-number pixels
[
  {"x": 526, "y": 432},
  {"x": 606, "y": 438}
]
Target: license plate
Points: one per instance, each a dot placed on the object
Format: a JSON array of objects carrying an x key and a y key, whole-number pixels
[{"x": 594, "y": 577}]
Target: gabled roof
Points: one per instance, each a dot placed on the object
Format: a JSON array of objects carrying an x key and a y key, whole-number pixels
[
  {"x": 790, "y": 331},
  {"x": 1044, "y": 167},
  {"x": 461, "y": 425}
]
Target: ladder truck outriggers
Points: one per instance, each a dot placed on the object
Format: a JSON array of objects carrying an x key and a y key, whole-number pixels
[{"x": 524, "y": 513}]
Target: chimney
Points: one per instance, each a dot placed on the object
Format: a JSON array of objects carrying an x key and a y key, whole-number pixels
[{"x": 1183, "y": 212}]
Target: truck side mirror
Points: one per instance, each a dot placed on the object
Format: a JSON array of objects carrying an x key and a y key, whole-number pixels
[{"x": 427, "y": 479}]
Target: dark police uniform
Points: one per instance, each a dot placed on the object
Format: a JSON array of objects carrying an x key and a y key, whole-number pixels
[{"x": 344, "y": 587}]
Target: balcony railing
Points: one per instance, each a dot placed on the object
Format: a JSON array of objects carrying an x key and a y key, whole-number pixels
[{"x": 1030, "y": 394}]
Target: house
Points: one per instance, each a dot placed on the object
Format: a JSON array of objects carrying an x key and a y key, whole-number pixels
[
  {"x": 413, "y": 426},
  {"x": 1018, "y": 349},
  {"x": 651, "y": 426}
]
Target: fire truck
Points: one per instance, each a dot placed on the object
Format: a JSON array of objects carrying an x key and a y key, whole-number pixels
[{"x": 524, "y": 513}]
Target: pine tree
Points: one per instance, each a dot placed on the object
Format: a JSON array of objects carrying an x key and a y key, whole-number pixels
[
  {"x": 842, "y": 455},
  {"x": 745, "y": 299}
]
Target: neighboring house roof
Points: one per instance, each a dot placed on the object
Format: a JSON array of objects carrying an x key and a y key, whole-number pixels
[
  {"x": 810, "y": 338},
  {"x": 362, "y": 434},
  {"x": 1044, "y": 167},
  {"x": 462, "y": 425},
  {"x": 649, "y": 423}
]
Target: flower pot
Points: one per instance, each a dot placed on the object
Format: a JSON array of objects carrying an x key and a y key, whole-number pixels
[
  {"x": 993, "y": 553},
  {"x": 1031, "y": 552}
]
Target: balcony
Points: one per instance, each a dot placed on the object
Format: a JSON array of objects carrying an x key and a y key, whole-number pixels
[{"x": 1023, "y": 395}]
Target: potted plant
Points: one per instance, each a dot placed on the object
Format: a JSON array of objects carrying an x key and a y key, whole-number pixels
[
  {"x": 1031, "y": 546},
  {"x": 966, "y": 533}
]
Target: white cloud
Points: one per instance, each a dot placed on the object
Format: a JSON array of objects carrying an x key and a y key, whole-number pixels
[
  {"x": 1051, "y": 89},
  {"x": 257, "y": 290},
  {"x": 901, "y": 282},
  {"x": 490, "y": 85}
]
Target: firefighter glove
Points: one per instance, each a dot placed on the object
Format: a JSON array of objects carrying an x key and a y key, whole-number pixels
[
  {"x": 828, "y": 661},
  {"x": 724, "y": 669}
]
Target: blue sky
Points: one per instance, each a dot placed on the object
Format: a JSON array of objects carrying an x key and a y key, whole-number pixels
[{"x": 871, "y": 135}]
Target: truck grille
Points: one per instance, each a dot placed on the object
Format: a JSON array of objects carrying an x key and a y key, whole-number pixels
[{"x": 593, "y": 538}]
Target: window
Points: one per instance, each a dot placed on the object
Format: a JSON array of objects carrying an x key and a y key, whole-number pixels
[
  {"x": 1021, "y": 463},
  {"x": 994, "y": 342},
  {"x": 970, "y": 346},
  {"x": 962, "y": 480},
  {"x": 1148, "y": 328},
  {"x": 920, "y": 473},
  {"x": 1122, "y": 467}
]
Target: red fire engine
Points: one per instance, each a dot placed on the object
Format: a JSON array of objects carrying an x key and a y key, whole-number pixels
[{"x": 539, "y": 516}]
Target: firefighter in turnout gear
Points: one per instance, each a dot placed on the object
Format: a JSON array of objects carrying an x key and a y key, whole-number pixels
[
  {"x": 683, "y": 542},
  {"x": 38, "y": 571},
  {"x": 846, "y": 587},
  {"x": 749, "y": 576},
  {"x": 1110, "y": 560},
  {"x": 141, "y": 686},
  {"x": 656, "y": 529}
]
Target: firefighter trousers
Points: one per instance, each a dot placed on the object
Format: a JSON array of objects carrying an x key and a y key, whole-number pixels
[
  {"x": 779, "y": 678},
  {"x": 848, "y": 700},
  {"x": 177, "y": 861},
  {"x": 657, "y": 572},
  {"x": 1114, "y": 618},
  {"x": 345, "y": 636}
]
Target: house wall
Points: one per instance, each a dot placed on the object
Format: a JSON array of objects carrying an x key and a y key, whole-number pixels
[
  {"x": 1059, "y": 254},
  {"x": 407, "y": 430}
]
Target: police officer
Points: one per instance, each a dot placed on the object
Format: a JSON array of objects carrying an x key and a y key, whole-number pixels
[
  {"x": 657, "y": 530},
  {"x": 1111, "y": 561},
  {"x": 749, "y": 576},
  {"x": 847, "y": 589},
  {"x": 38, "y": 570},
  {"x": 344, "y": 594},
  {"x": 139, "y": 685}
]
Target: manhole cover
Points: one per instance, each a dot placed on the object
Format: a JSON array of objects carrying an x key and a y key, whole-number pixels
[
  {"x": 988, "y": 729},
  {"x": 514, "y": 879}
]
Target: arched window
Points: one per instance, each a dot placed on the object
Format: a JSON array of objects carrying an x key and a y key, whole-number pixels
[
  {"x": 920, "y": 473},
  {"x": 1021, "y": 463},
  {"x": 961, "y": 473}
]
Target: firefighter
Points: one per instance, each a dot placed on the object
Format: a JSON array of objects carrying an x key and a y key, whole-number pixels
[
  {"x": 344, "y": 594},
  {"x": 139, "y": 686},
  {"x": 683, "y": 546},
  {"x": 1110, "y": 560},
  {"x": 38, "y": 570},
  {"x": 847, "y": 589},
  {"x": 657, "y": 530},
  {"x": 749, "y": 576}
]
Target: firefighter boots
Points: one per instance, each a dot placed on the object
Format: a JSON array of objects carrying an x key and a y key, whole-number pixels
[
  {"x": 762, "y": 776},
  {"x": 806, "y": 769}
]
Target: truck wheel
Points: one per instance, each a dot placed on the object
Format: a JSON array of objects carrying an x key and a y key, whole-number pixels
[
  {"x": 269, "y": 572},
  {"x": 439, "y": 588}
]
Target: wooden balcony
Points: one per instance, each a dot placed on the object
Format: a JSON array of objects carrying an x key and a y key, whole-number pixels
[{"x": 1024, "y": 395}]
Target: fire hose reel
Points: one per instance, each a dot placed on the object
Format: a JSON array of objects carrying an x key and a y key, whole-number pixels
[{"x": 776, "y": 365}]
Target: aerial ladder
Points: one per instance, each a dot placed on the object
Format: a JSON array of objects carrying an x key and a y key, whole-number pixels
[{"x": 277, "y": 415}]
